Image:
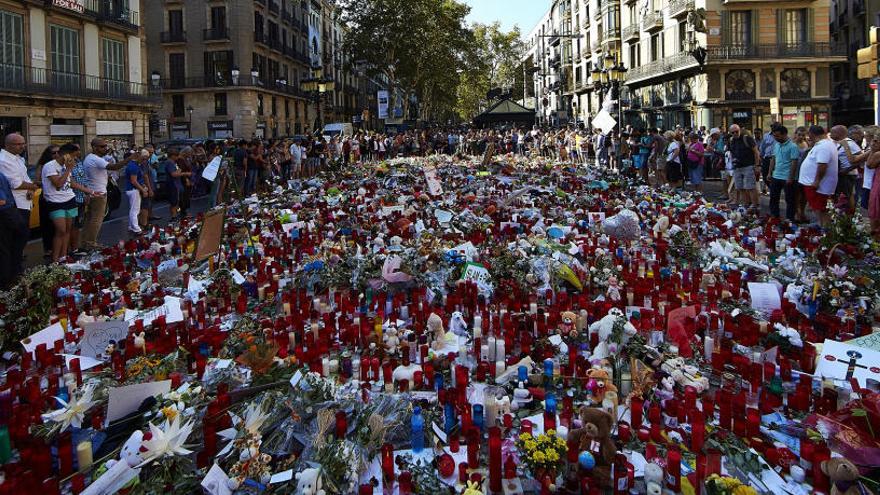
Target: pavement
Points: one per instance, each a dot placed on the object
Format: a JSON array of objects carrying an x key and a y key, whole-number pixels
[{"x": 115, "y": 228}]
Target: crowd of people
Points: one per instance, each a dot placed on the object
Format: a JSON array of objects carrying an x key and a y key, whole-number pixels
[{"x": 809, "y": 167}]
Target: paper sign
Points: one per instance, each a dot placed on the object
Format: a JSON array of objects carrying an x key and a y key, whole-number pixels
[
  {"x": 237, "y": 277},
  {"x": 85, "y": 363},
  {"x": 841, "y": 361},
  {"x": 434, "y": 186},
  {"x": 595, "y": 217},
  {"x": 171, "y": 310},
  {"x": 281, "y": 477},
  {"x": 46, "y": 336},
  {"x": 126, "y": 400},
  {"x": 765, "y": 297},
  {"x": 210, "y": 172},
  {"x": 442, "y": 216},
  {"x": 476, "y": 272},
  {"x": 468, "y": 250},
  {"x": 97, "y": 335},
  {"x": 216, "y": 482},
  {"x": 604, "y": 121},
  {"x": 871, "y": 341}
]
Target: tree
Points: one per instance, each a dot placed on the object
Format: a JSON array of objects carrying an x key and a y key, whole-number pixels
[{"x": 496, "y": 65}]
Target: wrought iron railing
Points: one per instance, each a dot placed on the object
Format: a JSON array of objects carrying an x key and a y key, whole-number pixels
[
  {"x": 630, "y": 32},
  {"x": 678, "y": 7},
  {"x": 172, "y": 37},
  {"x": 36, "y": 80},
  {"x": 653, "y": 20},
  {"x": 216, "y": 34},
  {"x": 665, "y": 65},
  {"x": 227, "y": 81},
  {"x": 777, "y": 50}
]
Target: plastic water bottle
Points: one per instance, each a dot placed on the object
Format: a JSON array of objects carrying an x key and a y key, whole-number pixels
[{"x": 418, "y": 430}]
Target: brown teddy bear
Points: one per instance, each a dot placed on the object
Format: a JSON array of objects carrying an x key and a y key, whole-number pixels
[
  {"x": 844, "y": 476},
  {"x": 595, "y": 436},
  {"x": 603, "y": 382},
  {"x": 568, "y": 325}
]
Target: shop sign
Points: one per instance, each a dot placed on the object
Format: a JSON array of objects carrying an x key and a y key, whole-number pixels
[
  {"x": 743, "y": 114},
  {"x": 220, "y": 126},
  {"x": 180, "y": 127}
]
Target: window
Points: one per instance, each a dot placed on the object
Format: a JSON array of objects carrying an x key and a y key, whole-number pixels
[
  {"x": 258, "y": 24},
  {"x": 218, "y": 65},
  {"x": 795, "y": 26},
  {"x": 11, "y": 50},
  {"x": 218, "y": 19},
  {"x": 64, "y": 55},
  {"x": 175, "y": 21},
  {"x": 741, "y": 27},
  {"x": 177, "y": 106},
  {"x": 177, "y": 69},
  {"x": 114, "y": 66},
  {"x": 656, "y": 47},
  {"x": 682, "y": 35},
  {"x": 220, "y": 104},
  {"x": 260, "y": 105},
  {"x": 635, "y": 59}
]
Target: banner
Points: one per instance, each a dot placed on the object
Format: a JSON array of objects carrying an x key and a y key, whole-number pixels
[
  {"x": 314, "y": 46},
  {"x": 74, "y": 5},
  {"x": 382, "y": 98}
]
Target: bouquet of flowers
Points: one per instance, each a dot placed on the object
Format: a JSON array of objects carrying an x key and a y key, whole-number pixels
[
  {"x": 725, "y": 485},
  {"x": 541, "y": 454}
]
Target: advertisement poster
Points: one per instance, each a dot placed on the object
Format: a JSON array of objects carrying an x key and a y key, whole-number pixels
[{"x": 382, "y": 98}]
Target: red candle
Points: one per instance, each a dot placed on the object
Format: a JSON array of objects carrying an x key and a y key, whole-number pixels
[
  {"x": 636, "y": 405},
  {"x": 495, "y": 459},
  {"x": 673, "y": 470},
  {"x": 341, "y": 425}
]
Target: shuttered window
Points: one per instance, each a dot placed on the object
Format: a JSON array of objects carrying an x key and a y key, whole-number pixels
[{"x": 11, "y": 50}]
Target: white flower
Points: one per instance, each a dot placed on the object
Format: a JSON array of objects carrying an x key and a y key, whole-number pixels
[
  {"x": 73, "y": 412},
  {"x": 166, "y": 441},
  {"x": 254, "y": 417}
]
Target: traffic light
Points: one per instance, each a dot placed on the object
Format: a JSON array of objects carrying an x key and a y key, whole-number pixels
[{"x": 869, "y": 57}]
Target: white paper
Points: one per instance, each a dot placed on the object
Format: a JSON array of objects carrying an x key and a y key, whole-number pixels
[
  {"x": 46, "y": 336},
  {"x": 281, "y": 477},
  {"x": 216, "y": 482},
  {"x": 237, "y": 277},
  {"x": 171, "y": 310},
  {"x": 442, "y": 216},
  {"x": 85, "y": 362},
  {"x": 604, "y": 121},
  {"x": 97, "y": 335},
  {"x": 765, "y": 297},
  {"x": 434, "y": 186},
  {"x": 126, "y": 400},
  {"x": 835, "y": 358},
  {"x": 210, "y": 172}
]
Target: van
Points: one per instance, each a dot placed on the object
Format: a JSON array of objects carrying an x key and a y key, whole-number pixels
[{"x": 337, "y": 129}]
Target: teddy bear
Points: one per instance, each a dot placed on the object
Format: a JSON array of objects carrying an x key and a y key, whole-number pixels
[
  {"x": 122, "y": 472},
  {"x": 594, "y": 435},
  {"x": 844, "y": 476},
  {"x": 308, "y": 482},
  {"x": 603, "y": 384},
  {"x": 605, "y": 327},
  {"x": 653, "y": 478},
  {"x": 392, "y": 341},
  {"x": 568, "y": 324},
  {"x": 457, "y": 325},
  {"x": 435, "y": 328}
]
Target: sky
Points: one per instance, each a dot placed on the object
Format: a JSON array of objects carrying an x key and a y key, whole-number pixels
[{"x": 522, "y": 13}]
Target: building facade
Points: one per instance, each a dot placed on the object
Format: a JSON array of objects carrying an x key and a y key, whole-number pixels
[
  {"x": 73, "y": 70},
  {"x": 850, "y": 22},
  {"x": 724, "y": 64}
]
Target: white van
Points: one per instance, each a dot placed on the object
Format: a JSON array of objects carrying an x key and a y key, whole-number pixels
[{"x": 337, "y": 129}]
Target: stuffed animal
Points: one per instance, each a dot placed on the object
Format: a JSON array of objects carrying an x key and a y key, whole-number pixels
[
  {"x": 613, "y": 291},
  {"x": 594, "y": 436},
  {"x": 661, "y": 226},
  {"x": 435, "y": 328},
  {"x": 457, "y": 325},
  {"x": 308, "y": 482},
  {"x": 603, "y": 384},
  {"x": 116, "y": 474},
  {"x": 568, "y": 325},
  {"x": 685, "y": 374},
  {"x": 653, "y": 478},
  {"x": 844, "y": 476},
  {"x": 392, "y": 341},
  {"x": 605, "y": 327}
]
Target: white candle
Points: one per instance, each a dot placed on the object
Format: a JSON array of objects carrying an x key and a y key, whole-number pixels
[
  {"x": 533, "y": 308},
  {"x": 334, "y": 365},
  {"x": 84, "y": 454},
  {"x": 491, "y": 355},
  {"x": 325, "y": 367},
  {"x": 316, "y": 330},
  {"x": 490, "y": 408},
  {"x": 286, "y": 307},
  {"x": 478, "y": 324},
  {"x": 499, "y": 367},
  {"x": 356, "y": 368},
  {"x": 484, "y": 352},
  {"x": 708, "y": 347},
  {"x": 404, "y": 312},
  {"x": 500, "y": 355}
]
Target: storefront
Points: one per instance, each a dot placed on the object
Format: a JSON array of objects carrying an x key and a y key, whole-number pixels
[
  {"x": 180, "y": 130},
  {"x": 63, "y": 131},
  {"x": 756, "y": 114},
  {"x": 119, "y": 134},
  {"x": 220, "y": 130}
]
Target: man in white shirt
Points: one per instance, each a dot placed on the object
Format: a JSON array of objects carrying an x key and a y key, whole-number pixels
[
  {"x": 14, "y": 168},
  {"x": 818, "y": 174},
  {"x": 849, "y": 160},
  {"x": 96, "y": 169},
  {"x": 296, "y": 157}
]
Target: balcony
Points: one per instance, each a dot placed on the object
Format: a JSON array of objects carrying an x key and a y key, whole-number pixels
[
  {"x": 259, "y": 37},
  {"x": 585, "y": 23},
  {"x": 167, "y": 37},
  {"x": 215, "y": 34},
  {"x": 107, "y": 11},
  {"x": 653, "y": 21},
  {"x": 678, "y": 8},
  {"x": 679, "y": 61},
  {"x": 596, "y": 46},
  {"x": 555, "y": 61},
  {"x": 630, "y": 32},
  {"x": 37, "y": 81},
  {"x": 274, "y": 44},
  {"x": 597, "y": 14},
  {"x": 260, "y": 2},
  {"x": 226, "y": 81},
  {"x": 781, "y": 50},
  {"x": 273, "y": 7}
]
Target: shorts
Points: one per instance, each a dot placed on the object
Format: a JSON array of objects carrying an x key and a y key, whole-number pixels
[
  {"x": 866, "y": 194},
  {"x": 67, "y": 209},
  {"x": 80, "y": 217},
  {"x": 146, "y": 203},
  {"x": 744, "y": 178},
  {"x": 173, "y": 196},
  {"x": 817, "y": 201}
]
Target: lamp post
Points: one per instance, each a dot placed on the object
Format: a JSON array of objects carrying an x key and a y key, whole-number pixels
[
  {"x": 235, "y": 75},
  {"x": 317, "y": 85},
  {"x": 190, "y": 110},
  {"x": 155, "y": 77}
]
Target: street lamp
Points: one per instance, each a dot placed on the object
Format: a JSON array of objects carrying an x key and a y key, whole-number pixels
[
  {"x": 255, "y": 74},
  {"x": 155, "y": 77},
  {"x": 235, "y": 74},
  {"x": 317, "y": 85},
  {"x": 190, "y": 110}
]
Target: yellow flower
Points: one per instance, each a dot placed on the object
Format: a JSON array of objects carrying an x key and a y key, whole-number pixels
[
  {"x": 530, "y": 445},
  {"x": 525, "y": 436},
  {"x": 169, "y": 412},
  {"x": 744, "y": 490},
  {"x": 552, "y": 456},
  {"x": 550, "y": 433},
  {"x": 539, "y": 457}
]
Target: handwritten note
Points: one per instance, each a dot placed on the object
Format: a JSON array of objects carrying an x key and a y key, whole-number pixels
[
  {"x": 765, "y": 297},
  {"x": 97, "y": 335}
]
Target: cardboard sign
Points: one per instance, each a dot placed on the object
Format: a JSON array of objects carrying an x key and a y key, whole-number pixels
[
  {"x": 487, "y": 156},
  {"x": 211, "y": 234},
  {"x": 97, "y": 335},
  {"x": 126, "y": 400},
  {"x": 477, "y": 273},
  {"x": 841, "y": 361}
]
